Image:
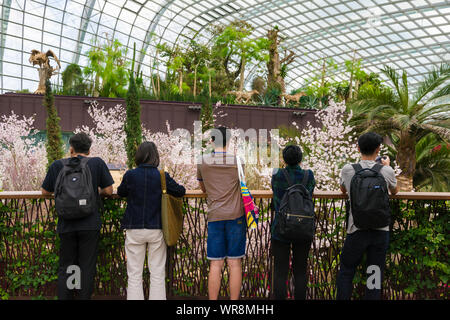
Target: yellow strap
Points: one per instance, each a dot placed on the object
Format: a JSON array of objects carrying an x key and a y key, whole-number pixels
[{"x": 163, "y": 181}]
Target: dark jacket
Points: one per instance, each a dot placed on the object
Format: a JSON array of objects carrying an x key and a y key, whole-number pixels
[
  {"x": 279, "y": 186},
  {"x": 142, "y": 187}
]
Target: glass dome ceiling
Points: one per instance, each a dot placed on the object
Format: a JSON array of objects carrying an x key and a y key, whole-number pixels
[{"x": 412, "y": 35}]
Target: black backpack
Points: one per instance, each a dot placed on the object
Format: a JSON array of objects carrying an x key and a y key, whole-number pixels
[
  {"x": 74, "y": 194},
  {"x": 369, "y": 198},
  {"x": 296, "y": 218}
]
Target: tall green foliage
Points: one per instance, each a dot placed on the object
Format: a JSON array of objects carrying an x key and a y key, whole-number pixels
[
  {"x": 107, "y": 69},
  {"x": 54, "y": 142},
  {"x": 133, "y": 127},
  {"x": 72, "y": 78}
]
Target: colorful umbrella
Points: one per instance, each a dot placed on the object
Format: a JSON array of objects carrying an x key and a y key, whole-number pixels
[{"x": 251, "y": 211}]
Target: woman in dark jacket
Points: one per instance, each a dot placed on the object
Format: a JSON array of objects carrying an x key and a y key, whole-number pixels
[
  {"x": 142, "y": 222},
  {"x": 281, "y": 248}
]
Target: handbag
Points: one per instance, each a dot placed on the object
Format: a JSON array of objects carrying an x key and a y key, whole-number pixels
[
  {"x": 171, "y": 214},
  {"x": 251, "y": 210}
]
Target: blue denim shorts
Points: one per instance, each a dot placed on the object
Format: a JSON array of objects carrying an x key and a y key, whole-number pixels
[{"x": 226, "y": 239}]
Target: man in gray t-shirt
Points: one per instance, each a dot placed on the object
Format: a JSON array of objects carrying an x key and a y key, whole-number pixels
[{"x": 373, "y": 242}]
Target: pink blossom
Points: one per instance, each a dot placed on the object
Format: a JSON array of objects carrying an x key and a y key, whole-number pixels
[{"x": 22, "y": 158}]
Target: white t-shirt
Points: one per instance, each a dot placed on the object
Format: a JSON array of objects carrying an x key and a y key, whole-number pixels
[{"x": 347, "y": 174}]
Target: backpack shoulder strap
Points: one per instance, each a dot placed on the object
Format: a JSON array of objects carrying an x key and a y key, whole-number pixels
[
  {"x": 84, "y": 161},
  {"x": 65, "y": 161},
  {"x": 286, "y": 175},
  {"x": 305, "y": 177},
  {"x": 377, "y": 167},
  {"x": 357, "y": 167},
  {"x": 60, "y": 175}
]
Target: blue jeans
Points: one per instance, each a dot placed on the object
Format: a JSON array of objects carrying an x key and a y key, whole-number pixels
[
  {"x": 372, "y": 242},
  {"x": 226, "y": 239}
]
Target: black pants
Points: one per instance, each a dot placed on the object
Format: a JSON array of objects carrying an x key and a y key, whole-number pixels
[
  {"x": 374, "y": 243},
  {"x": 281, "y": 252},
  {"x": 77, "y": 248}
]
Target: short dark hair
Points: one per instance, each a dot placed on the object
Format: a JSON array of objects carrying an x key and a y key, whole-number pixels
[
  {"x": 292, "y": 155},
  {"x": 147, "y": 153},
  {"x": 369, "y": 142},
  {"x": 80, "y": 142},
  {"x": 222, "y": 134}
]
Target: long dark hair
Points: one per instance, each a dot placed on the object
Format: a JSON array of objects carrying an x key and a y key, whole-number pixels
[{"x": 147, "y": 153}]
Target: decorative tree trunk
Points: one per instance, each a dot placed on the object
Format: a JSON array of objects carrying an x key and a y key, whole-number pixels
[
  {"x": 241, "y": 76},
  {"x": 45, "y": 74},
  {"x": 322, "y": 82},
  {"x": 275, "y": 64},
  {"x": 158, "y": 83},
  {"x": 406, "y": 159},
  {"x": 350, "y": 92},
  {"x": 356, "y": 89},
  {"x": 195, "y": 80}
]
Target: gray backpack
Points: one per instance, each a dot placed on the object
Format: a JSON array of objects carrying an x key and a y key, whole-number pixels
[{"x": 74, "y": 194}]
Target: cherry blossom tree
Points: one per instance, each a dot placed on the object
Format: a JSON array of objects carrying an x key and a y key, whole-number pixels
[
  {"x": 108, "y": 134},
  {"x": 329, "y": 147},
  {"x": 23, "y": 158}
]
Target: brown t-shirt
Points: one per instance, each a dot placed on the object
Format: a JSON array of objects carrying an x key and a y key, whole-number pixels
[{"x": 219, "y": 173}]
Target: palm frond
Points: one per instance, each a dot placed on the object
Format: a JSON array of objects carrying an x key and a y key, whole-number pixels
[
  {"x": 441, "y": 110},
  {"x": 441, "y": 93},
  {"x": 384, "y": 128},
  {"x": 442, "y": 132},
  {"x": 434, "y": 79},
  {"x": 401, "y": 92},
  {"x": 404, "y": 92},
  {"x": 375, "y": 97},
  {"x": 403, "y": 121}
]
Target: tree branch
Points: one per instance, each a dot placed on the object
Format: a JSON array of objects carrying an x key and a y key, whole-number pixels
[{"x": 288, "y": 59}]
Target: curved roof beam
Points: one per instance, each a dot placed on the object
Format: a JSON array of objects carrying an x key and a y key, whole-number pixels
[
  {"x": 6, "y": 8},
  {"x": 151, "y": 29},
  {"x": 206, "y": 12},
  {"x": 87, "y": 13},
  {"x": 165, "y": 28},
  {"x": 299, "y": 40}
]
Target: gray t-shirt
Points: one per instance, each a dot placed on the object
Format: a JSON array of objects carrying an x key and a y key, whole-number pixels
[{"x": 346, "y": 177}]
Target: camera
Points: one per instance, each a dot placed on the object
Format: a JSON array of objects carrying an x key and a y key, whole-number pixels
[{"x": 378, "y": 159}]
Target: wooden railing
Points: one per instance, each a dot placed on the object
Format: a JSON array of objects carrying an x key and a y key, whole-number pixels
[
  {"x": 415, "y": 263},
  {"x": 265, "y": 194}
]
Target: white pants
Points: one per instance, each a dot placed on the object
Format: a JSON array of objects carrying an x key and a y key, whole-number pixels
[{"x": 136, "y": 243}]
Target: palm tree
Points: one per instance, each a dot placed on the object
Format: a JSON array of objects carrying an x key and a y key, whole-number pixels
[
  {"x": 433, "y": 165},
  {"x": 406, "y": 119}
]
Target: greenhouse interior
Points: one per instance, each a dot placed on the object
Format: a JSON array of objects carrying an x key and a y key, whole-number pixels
[{"x": 314, "y": 74}]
